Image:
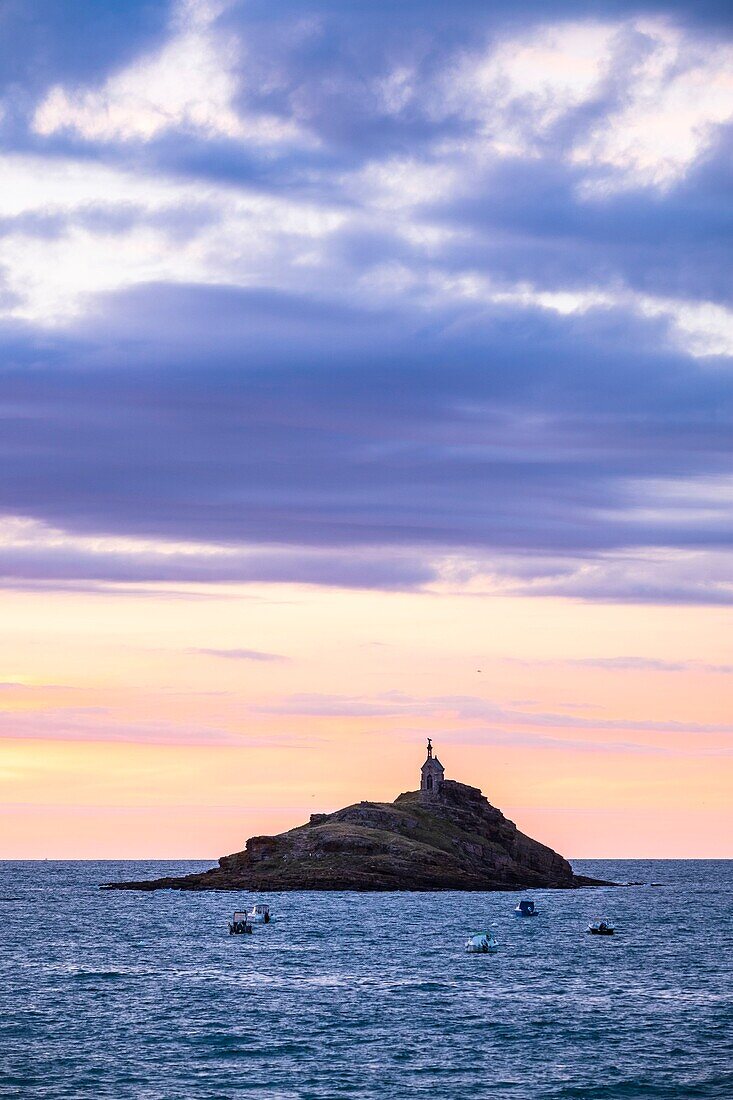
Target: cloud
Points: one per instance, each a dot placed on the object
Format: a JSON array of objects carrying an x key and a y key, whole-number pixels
[
  {"x": 241, "y": 654},
  {"x": 512, "y": 739},
  {"x": 31, "y": 553},
  {"x": 97, "y": 724},
  {"x": 371, "y": 298},
  {"x": 497, "y": 725},
  {"x": 73, "y": 229},
  {"x": 666, "y": 577},
  {"x": 345, "y": 706},
  {"x": 43, "y": 42},
  {"x": 166, "y": 457},
  {"x": 29, "y": 687},
  {"x": 629, "y": 664},
  {"x": 679, "y": 95},
  {"x": 471, "y": 708},
  {"x": 189, "y": 83}
]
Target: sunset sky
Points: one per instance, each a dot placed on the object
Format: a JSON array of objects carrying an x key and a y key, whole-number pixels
[{"x": 366, "y": 376}]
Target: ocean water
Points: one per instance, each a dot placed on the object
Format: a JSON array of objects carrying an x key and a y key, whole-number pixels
[{"x": 130, "y": 995}]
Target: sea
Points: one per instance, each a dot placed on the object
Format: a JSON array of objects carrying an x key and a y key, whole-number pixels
[{"x": 146, "y": 995}]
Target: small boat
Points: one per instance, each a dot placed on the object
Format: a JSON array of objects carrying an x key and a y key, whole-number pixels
[
  {"x": 526, "y": 909},
  {"x": 601, "y": 928},
  {"x": 239, "y": 924},
  {"x": 259, "y": 914},
  {"x": 482, "y": 943}
]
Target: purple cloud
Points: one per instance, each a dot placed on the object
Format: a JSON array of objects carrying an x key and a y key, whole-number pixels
[
  {"x": 372, "y": 323},
  {"x": 241, "y": 654},
  {"x": 628, "y": 664},
  {"x": 99, "y": 724},
  {"x": 471, "y": 708}
]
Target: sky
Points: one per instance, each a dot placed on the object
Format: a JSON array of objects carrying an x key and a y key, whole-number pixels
[{"x": 366, "y": 375}]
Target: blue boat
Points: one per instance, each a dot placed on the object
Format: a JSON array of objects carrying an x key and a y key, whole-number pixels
[{"x": 525, "y": 909}]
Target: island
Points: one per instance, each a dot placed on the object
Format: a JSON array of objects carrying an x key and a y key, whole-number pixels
[{"x": 444, "y": 836}]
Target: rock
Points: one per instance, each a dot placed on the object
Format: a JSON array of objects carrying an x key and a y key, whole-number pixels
[{"x": 448, "y": 839}]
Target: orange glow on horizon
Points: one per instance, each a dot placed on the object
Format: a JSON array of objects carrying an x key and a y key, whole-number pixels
[{"x": 122, "y": 737}]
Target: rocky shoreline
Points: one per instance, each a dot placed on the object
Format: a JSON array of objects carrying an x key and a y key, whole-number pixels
[{"x": 451, "y": 838}]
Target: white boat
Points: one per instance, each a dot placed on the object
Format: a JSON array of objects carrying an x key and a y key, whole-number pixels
[
  {"x": 259, "y": 914},
  {"x": 601, "y": 928},
  {"x": 482, "y": 943},
  {"x": 240, "y": 923}
]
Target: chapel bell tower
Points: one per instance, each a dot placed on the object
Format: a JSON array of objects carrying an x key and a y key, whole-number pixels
[{"x": 431, "y": 773}]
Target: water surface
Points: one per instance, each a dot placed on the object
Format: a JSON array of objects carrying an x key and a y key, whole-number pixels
[{"x": 365, "y": 995}]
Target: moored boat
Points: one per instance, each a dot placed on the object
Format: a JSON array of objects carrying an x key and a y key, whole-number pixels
[
  {"x": 526, "y": 908},
  {"x": 482, "y": 943},
  {"x": 259, "y": 914},
  {"x": 601, "y": 928},
  {"x": 239, "y": 924}
]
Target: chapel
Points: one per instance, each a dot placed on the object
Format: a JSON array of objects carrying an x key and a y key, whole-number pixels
[{"x": 432, "y": 773}]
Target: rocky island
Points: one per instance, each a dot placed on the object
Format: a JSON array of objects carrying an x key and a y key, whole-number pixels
[{"x": 445, "y": 836}]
